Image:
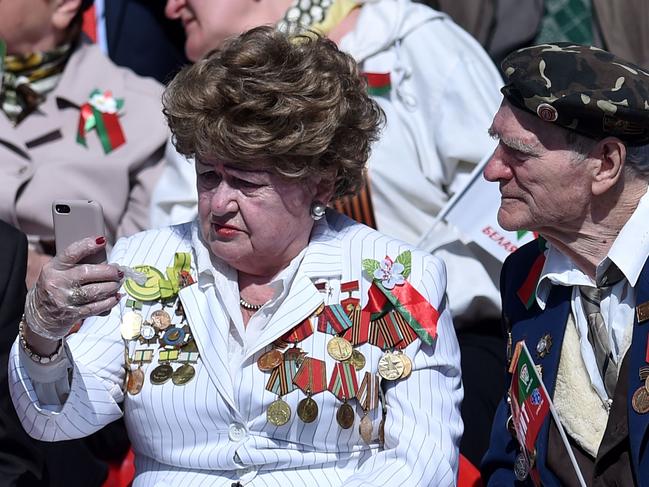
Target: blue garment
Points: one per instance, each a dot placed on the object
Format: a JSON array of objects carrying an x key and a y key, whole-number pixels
[{"x": 532, "y": 324}]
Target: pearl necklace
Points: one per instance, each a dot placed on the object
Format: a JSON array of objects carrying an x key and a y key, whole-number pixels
[{"x": 249, "y": 306}]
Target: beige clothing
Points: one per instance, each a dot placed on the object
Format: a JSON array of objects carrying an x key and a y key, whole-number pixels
[{"x": 40, "y": 159}]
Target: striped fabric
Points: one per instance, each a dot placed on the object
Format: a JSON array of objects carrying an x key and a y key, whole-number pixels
[{"x": 213, "y": 430}]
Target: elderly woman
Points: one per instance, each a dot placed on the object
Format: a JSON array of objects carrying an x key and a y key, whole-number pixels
[{"x": 274, "y": 342}]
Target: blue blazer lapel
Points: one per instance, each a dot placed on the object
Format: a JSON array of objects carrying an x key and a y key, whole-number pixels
[
  {"x": 638, "y": 422},
  {"x": 552, "y": 322}
]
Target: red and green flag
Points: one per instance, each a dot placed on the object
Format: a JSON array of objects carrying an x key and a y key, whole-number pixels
[{"x": 529, "y": 399}]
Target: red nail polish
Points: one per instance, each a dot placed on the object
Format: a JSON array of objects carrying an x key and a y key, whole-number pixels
[
  {"x": 100, "y": 240},
  {"x": 120, "y": 274}
]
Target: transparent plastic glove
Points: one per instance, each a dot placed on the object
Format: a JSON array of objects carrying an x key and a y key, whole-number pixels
[{"x": 67, "y": 292}]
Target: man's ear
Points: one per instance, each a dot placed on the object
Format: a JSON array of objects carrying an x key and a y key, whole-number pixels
[
  {"x": 64, "y": 13},
  {"x": 611, "y": 155}
]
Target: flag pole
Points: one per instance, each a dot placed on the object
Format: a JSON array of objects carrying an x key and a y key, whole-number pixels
[
  {"x": 477, "y": 172},
  {"x": 562, "y": 433}
]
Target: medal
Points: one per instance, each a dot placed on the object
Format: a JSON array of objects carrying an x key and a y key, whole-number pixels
[
  {"x": 183, "y": 374},
  {"x": 131, "y": 324},
  {"x": 521, "y": 467},
  {"x": 278, "y": 413},
  {"x": 150, "y": 291},
  {"x": 357, "y": 360},
  {"x": 407, "y": 365},
  {"x": 640, "y": 400},
  {"x": 134, "y": 381},
  {"x": 269, "y": 360},
  {"x": 147, "y": 332},
  {"x": 390, "y": 366},
  {"x": 543, "y": 345},
  {"x": 366, "y": 429},
  {"x": 307, "y": 410},
  {"x": 161, "y": 374},
  {"x": 161, "y": 319},
  {"x": 173, "y": 336},
  {"x": 345, "y": 416},
  {"x": 333, "y": 320},
  {"x": 339, "y": 349}
]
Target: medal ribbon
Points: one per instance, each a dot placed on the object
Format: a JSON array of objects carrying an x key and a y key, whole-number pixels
[
  {"x": 301, "y": 332},
  {"x": 311, "y": 376},
  {"x": 177, "y": 274},
  {"x": 104, "y": 122},
  {"x": 333, "y": 320},
  {"x": 281, "y": 378},
  {"x": 343, "y": 382},
  {"x": 404, "y": 329},
  {"x": 527, "y": 292},
  {"x": 368, "y": 392},
  {"x": 360, "y": 331},
  {"x": 384, "y": 333},
  {"x": 349, "y": 287}
]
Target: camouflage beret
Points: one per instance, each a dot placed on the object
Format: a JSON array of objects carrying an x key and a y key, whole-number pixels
[{"x": 581, "y": 88}]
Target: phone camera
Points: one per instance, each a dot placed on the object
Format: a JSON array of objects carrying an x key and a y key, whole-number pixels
[{"x": 62, "y": 209}]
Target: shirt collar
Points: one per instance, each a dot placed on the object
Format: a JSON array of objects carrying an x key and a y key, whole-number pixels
[{"x": 629, "y": 252}]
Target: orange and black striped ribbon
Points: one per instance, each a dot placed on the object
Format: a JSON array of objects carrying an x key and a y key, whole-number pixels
[{"x": 359, "y": 206}]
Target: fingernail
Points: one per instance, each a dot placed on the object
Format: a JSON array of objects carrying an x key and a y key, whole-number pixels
[
  {"x": 119, "y": 296},
  {"x": 120, "y": 274},
  {"x": 100, "y": 240}
]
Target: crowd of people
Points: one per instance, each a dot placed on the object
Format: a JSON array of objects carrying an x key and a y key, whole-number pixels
[{"x": 266, "y": 315}]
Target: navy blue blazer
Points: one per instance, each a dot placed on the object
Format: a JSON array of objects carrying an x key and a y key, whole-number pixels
[{"x": 530, "y": 325}]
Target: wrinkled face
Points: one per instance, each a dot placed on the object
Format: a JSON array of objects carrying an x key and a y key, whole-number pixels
[
  {"x": 25, "y": 23},
  {"x": 255, "y": 221},
  {"x": 543, "y": 186},
  {"x": 208, "y": 23}
]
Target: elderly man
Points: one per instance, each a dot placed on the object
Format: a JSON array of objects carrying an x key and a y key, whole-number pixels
[{"x": 572, "y": 165}]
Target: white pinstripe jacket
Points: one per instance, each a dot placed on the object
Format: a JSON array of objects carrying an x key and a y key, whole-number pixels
[{"x": 213, "y": 430}]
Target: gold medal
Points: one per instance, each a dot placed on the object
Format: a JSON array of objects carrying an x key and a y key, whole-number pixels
[
  {"x": 161, "y": 319},
  {"x": 134, "y": 381},
  {"x": 161, "y": 374},
  {"x": 279, "y": 413},
  {"x": 131, "y": 324},
  {"x": 407, "y": 365},
  {"x": 183, "y": 374},
  {"x": 640, "y": 400},
  {"x": 270, "y": 360},
  {"x": 150, "y": 290},
  {"x": 390, "y": 366},
  {"x": 339, "y": 348},
  {"x": 357, "y": 359},
  {"x": 307, "y": 410},
  {"x": 366, "y": 429},
  {"x": 345, "y": 416}
]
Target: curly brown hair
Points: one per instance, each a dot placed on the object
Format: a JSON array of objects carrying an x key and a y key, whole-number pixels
[{"x": 265, "y": 100}]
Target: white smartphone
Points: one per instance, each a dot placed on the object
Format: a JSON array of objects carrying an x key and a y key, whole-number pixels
[{"x": 75, "y": 220}]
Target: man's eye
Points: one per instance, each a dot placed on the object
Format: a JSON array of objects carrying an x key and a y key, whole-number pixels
[{"x": 209, "y": 178}]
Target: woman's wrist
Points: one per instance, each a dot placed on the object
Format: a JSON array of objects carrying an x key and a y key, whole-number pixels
[{"x": 40, "y": 349}]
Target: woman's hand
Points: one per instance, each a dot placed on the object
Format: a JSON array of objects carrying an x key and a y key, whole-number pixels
[{"x": 67, "y": 292}]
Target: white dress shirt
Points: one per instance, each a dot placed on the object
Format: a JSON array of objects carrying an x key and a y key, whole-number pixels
[
  {"x": 629, "y": 253},
  {"x": 213, "y": 430}
]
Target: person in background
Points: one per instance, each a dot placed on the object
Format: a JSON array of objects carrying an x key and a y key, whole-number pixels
[
  {"x": 72, "y": 126},
  {"x": 249, "y": 361},
  {"x": 572, "y": 163},
  {"x": 439, "y": 91}
]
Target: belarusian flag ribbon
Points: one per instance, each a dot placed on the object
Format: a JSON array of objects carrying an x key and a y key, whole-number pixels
[
  {"x": 311, "y": 376},
  {"x": 343, "y": 383},
  {"x": 378, "y": 84},
  {"x": 527, "y": 292},
  {"x": 100, "y": 113},
  {"x": 390, "y": 279}
]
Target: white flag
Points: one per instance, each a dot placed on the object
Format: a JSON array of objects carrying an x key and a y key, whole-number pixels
[{"x": 474, "y": 210}]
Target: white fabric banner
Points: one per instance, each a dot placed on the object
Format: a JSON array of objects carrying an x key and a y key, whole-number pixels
[{"x": 474, "y": 210}]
